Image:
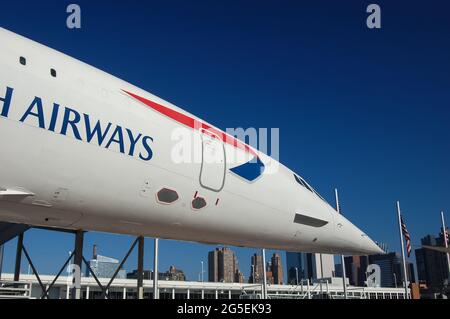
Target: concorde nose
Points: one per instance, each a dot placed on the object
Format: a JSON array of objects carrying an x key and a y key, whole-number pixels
[
  {"x": 353, "y": 240},
  {"x": 369, "y": 247}
]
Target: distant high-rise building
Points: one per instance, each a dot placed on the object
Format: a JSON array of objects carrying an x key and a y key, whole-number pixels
[
  {"x": 277, "y": 269},
  {"x": 104, "y": 267},
  {"x": 309, "y": 266},
  {"x": 256, "y": 271},
  {"x": 338, "y": 270},
  {"x": 274, "y": 270},
  {"x": 355, "y": 269},
  {"x": 227, "y": 265},
  {"x": 398, "y": 270},
  {"x": 222, "y": 265},
  {"x": 411, "y": 272},
  {"x": 322, "y": 266},
  {"x": 213, "y": 266},
  {"x": 432, "y": 266},
  {"x": 239, "y": 277},
  {"x": 269, "y": 274},
  {"x": 148, "y": 274},
  {"x": 295, "y": 266},
  {"x": 390, "y": 268},
  {"x": 173, "y": 274}
]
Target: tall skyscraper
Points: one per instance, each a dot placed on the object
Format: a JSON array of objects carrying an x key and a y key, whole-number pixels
[
  {"x": 213, "y": 266},
  {"x": 229, "y": 265},
  {"x": 390, "y": 268},
  {"x": 256, "y": 270},
  {"x": 432, "y": 267},
  {"x": 322, "y": 266},
  {"x": 295, "y": 266},
  {"x": 222, "y": 265},
  {"x": 387, "y": 263},
  {"x": 239, "y": 277},
  {"x": 269, "y": 274},
  {"x": 355, "y": 269},
  {"x": 277, "y": 269},
  {"x": 309, "y": 266}
]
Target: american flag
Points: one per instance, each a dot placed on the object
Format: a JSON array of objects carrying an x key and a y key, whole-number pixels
[{"x": 407, "y": 237}]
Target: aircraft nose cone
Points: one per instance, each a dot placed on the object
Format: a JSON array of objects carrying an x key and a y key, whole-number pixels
[
  {"x": 353, "y": 240},
  {"x": 369, "y": 247}
]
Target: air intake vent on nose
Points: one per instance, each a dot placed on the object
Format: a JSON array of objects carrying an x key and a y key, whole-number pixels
[{"x": 309, "y": 221}]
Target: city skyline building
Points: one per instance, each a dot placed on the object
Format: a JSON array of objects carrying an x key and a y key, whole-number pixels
[
  {"x": 172, "y": 274},
  {"x": 277, "y": 269},
  {"x": 294, "y": 267},
  {"x": 223, "y": 266},
  {"x": 322, "y": 266},
  {"x": 239, "y": 277},
  {"x": 390, "y": 269},
  {"x": 310, "y": 266},
  {"x": 256, "y": 269},
  {"x": 103, "y": 266},
  {"x": 269, "y": 274},
  {"x": 432, "y": 266},
  {"x": 213, "y": 266},
  {"x": 355, "y": 268}
]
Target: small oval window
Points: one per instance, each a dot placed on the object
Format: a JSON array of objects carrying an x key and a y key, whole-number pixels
[
  {"x": 53, "y": 72},
  {"x": 22, "y": 60},
  {"x": 198, "y": 203},
  {"x": 167, "y": 196}
]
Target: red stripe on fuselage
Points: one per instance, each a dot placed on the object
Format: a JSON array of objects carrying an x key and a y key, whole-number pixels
[{"x": 193, "y": 123}]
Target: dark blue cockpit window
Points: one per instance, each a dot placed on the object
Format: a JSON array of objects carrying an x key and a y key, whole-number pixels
[{"x": 303, "y": 183}]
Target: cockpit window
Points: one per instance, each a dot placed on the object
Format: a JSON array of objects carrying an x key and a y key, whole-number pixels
[
  {"x": 320, "y": 196},
  {"x": 303, "y": 183}
]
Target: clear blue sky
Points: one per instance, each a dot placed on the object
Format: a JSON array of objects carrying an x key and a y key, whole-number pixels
[{"x": 366, "y": 111}]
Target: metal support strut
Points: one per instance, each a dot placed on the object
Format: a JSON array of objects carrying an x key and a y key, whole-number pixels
[
  {"x": 140, "y": 268},
  {"x": 78, "y": 260},
  {"x": 18, "y": 257},
  {"x": 155, "y": 271}
]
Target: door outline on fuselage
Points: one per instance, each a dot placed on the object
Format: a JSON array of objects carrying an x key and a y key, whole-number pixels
[{"x": 203, "y": 133}]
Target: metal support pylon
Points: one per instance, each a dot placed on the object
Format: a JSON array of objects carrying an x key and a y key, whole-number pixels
[
  {"x": 78, "y": 260},
  {"x": 140, "y": 268}
]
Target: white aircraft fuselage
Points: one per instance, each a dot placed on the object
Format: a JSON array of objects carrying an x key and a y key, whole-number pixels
[{"x": 81, "y": 149}]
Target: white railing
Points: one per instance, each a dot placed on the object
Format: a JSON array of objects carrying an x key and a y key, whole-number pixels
[{"x": 15, "y": 290}]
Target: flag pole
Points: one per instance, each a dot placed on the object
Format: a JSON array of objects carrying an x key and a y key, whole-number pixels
[
  {"x": 405, "y": 274},
  {"x": 344, "y": 275},
  {"x": 444, "y": 231}
]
